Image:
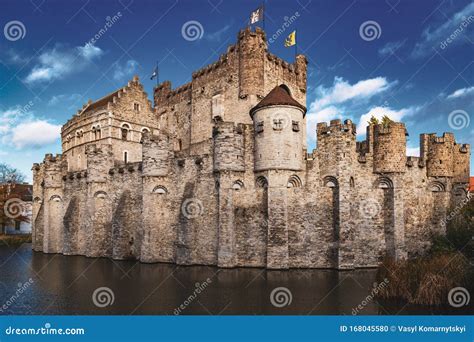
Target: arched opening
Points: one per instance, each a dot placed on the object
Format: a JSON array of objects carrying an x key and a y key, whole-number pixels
[
  {"x": 437, "y": 186},
  {"x": 100, "y": 194},
  {"x": 330, "y": 214},
  {"x": 160, "y": 189},
  {"x": 381, "y": 211},
  {"x": 294, "y": 182},
  {"x": 125, "y": 157},
  {"x": 285, "y": 88},
  {"x": 238, "y": 184},
  {"x": 261, "y": 182},
  {"x": 124, "y": 131},
  {"x": 143, "y": 132}
]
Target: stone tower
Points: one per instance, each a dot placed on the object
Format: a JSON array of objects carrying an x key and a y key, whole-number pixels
[{"x": 278, "y": 125}]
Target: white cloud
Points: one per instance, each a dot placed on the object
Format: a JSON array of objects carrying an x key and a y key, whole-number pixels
[
  {"x": 461, "y": 93},
  {"x": 413, "y": 151},
  {"x": 433, "y": 38},
  {"x": 330, "y": 103},
  {"x": 125, "y": 71},
  {"x": 343, "y": 91},
  {"x": 391, "y": 47},
  {"x": 60, "y": 62},
  {"x": 19, "y": 128},
  {"x": 35, "y": 134},
  {"x": 379, "y": 112},
  {"x": 89, "y": 51}
]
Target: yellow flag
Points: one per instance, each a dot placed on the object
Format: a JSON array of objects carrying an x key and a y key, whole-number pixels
[{"x": 291, "y": 39}]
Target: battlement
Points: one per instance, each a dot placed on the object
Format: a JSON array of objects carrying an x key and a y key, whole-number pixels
[
  {"x": 247, "y": 32},
  {"x": 336, "y": 126},
  {"x": 50, "y": 159},
  {"x": 447, "y": 137}
]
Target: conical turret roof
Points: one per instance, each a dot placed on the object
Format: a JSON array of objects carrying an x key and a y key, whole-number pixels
[{"x": 279, "y": 96}]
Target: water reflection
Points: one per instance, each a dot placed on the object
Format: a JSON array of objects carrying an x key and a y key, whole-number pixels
[{"x": 65, "y": 284}]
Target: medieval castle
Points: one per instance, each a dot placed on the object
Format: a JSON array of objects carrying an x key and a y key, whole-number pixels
[{"x": 216, "y": 172}]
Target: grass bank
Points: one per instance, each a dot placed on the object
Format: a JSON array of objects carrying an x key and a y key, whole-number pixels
[{"x": 14, "y": 240}]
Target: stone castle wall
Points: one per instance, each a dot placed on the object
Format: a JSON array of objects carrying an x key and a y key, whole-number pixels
[{"x": 204, "y": 185}]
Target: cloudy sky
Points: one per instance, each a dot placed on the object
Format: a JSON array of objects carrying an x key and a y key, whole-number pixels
[{"x": 410, "y": 60}]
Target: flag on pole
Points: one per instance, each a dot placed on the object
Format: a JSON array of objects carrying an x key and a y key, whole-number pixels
[
  {"x": 256, "y": 15},
  {"x": 155, "y": 73},
  {"x": 291, "y": 39}
]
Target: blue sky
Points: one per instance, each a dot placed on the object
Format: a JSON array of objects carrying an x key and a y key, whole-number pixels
[{"x": 411, "y": 60}]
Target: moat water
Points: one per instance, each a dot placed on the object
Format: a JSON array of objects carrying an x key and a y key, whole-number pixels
[{"x": 66, "y": 284}]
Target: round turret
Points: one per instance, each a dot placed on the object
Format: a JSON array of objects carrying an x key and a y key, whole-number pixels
[
  {"x": 278, "y": 130},
  {"x": 390, "y": 147}
]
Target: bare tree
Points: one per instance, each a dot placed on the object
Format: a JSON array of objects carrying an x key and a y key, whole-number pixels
[
  {"x": 9, "y": 174},
  {"x": 11, "y": 205}
]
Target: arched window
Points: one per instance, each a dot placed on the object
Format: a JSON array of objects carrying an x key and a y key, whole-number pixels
[
  {"x": 125, "y": 157},
  {"x": 96, "y": 132},
  {"x": 143, "y": 131},
  {"x": 124, "y": 131}
]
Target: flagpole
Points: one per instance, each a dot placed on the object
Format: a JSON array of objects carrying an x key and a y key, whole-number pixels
[
  {"x": 263, "y": 14},
  {"x": 157, "y": 74}
]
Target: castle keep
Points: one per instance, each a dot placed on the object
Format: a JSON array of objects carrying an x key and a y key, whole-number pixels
[{"x": 217, "y": 172}]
